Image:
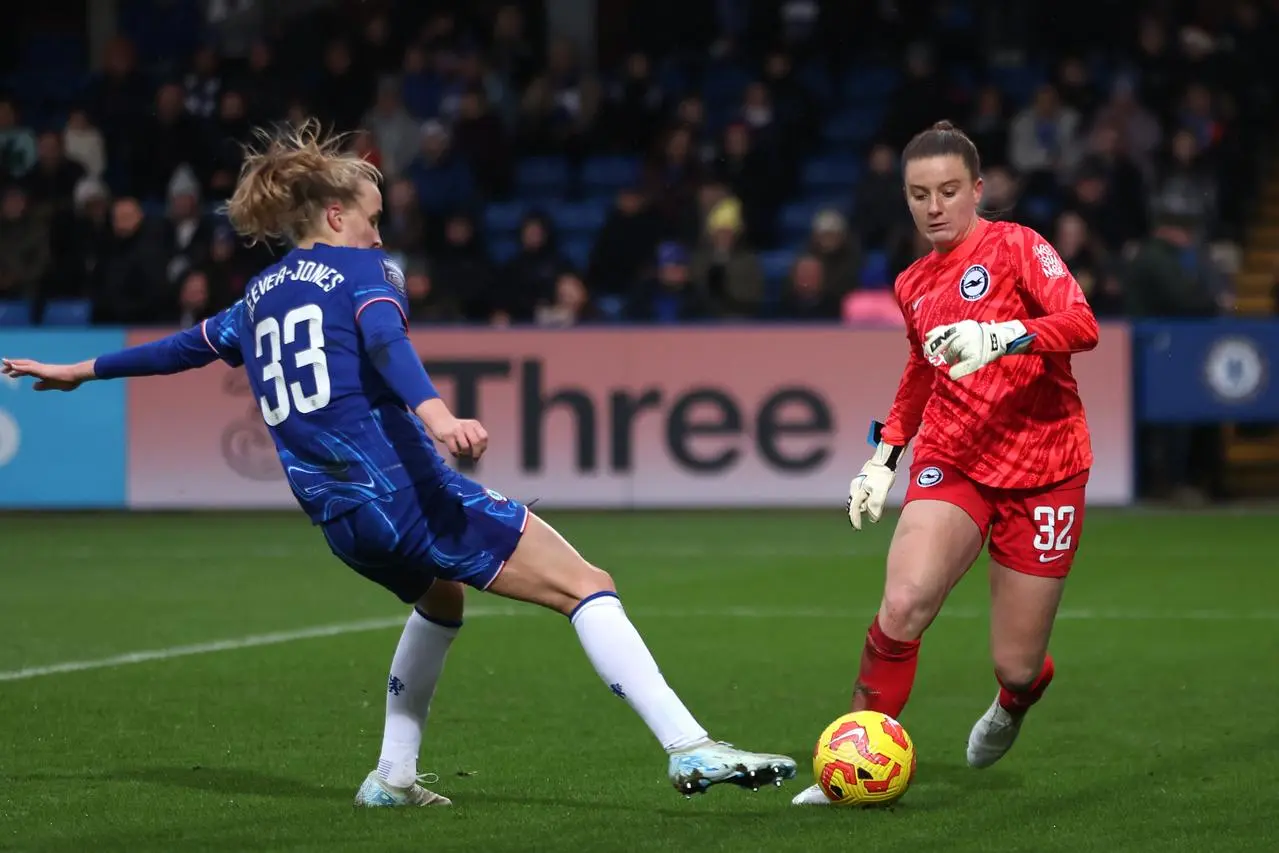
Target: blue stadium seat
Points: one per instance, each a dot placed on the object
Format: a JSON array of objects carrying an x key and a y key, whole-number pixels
[
  {"x": 723, "y": 84},
  {"x": 578, "y": 252},
  {"x": 823, "y": 173},
  {"x": 542, "y": 175},
  {"x": 870, "y": 83},
  {"x": 504, "y": 217},
  {"x": 607, "y": 174},
  {"x": 585, "y": 217},
  {"x": 67, "y": 312},
  {"x": 853, "y": 126},
  {"x": 15, "y": 313},
  {"x": 875, "y": 273},
  {"x": 502, "y": 250},
  {"x": 776, "y": 265}
]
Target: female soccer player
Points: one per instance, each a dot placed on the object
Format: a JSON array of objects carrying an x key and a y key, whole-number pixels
[
  {"x": 1001, "y": 443},
  {"x": 322, "y": 336}
]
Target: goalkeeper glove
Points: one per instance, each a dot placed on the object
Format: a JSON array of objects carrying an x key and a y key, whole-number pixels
[
  {"x": 968, "y": 345},
  {"x": 868, "y": 492}
]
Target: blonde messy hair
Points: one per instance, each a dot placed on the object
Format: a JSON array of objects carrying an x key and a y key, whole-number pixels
[{"x": 288, "y": 180}]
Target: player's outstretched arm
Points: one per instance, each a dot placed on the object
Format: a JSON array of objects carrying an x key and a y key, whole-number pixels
[{"x": 185, "y": 350}]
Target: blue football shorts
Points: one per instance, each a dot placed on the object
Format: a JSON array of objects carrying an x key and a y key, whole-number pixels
[{"x": 454, "y": 529}]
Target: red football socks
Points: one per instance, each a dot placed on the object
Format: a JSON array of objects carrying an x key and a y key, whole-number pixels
[
  {"x": 1019, "y": 701},
  {"x": 887, "y": 673}
]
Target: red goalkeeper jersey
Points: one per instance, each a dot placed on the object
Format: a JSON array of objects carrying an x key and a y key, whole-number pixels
[{"x": 1016, "y": 423}]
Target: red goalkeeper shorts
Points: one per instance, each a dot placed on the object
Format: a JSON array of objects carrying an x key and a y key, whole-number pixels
[{"x": 1033, "y": 531}]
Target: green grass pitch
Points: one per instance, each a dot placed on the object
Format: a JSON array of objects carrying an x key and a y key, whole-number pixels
[{"x": 1158, "y": 734}]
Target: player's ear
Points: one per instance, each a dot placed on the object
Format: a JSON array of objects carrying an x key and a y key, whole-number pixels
[
  {"x": 333, "y": 216},
  {"x": 979, "y": 187}
]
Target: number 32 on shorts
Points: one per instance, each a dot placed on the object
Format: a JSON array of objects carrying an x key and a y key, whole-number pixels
[{"x": 1054, "y": 539}]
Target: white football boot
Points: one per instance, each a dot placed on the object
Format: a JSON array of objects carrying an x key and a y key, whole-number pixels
[
  {"x": 708, "y": 763},
  {"x": 993, "y": 735},
  {"x": 813, "y": 795},
  {"x": 375, "y": 792}
]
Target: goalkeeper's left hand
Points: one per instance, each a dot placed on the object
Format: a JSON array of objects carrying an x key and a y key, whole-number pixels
[{"x": 968, "y": 345}]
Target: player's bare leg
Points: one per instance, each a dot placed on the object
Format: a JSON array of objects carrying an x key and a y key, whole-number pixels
[
  {"x": 547, "y": 570},
  {"x": 934, "y": 544},
  {"x": 1023, "y": 608},
  {"x": 415, "y": 671}
]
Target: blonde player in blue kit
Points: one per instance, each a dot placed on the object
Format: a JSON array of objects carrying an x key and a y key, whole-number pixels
[{"x": 322, "y": 335}]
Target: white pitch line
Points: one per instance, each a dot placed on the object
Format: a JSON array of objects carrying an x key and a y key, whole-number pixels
[{"x": 276, "y": 638}]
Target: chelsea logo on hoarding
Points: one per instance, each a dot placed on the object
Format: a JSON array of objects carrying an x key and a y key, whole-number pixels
[
  {"x": 1235, "y": 370},
  {"x": 975, "y": 283}
]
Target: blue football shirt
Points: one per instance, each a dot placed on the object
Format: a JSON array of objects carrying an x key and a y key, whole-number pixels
[{"x": 342, "y": 435}]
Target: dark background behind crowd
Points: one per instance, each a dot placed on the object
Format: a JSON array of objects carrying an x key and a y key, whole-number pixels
[{"x": 723, "y": 160}]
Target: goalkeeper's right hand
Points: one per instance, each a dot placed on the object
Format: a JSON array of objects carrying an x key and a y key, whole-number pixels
[{"x": 868, "y": 491}]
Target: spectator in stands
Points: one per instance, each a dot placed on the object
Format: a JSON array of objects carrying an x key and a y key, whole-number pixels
[
  {"x": 760, "y": 117},
  {"x": 1090, "y": 197},
  {"x": 131, "y": 283},
  {"x": 80, "y": 240},
  {"x": 1139, "y": 131},
  {"x": 1157, "y": 67},
  {"x": 172, "y": 139},
  {"x": 690, "y": 114},
  {"x": 381, "y": 47},
  {"x": 228, "y": 267},
  {"x": 511, "y": 53},
  {"x": 403, "y": 227},
  {"x": 528, "y": 279},
  {"x": 17, "y": 142},
  {"x": 725, "y": 271},
  {"x": 623, "y": 250},
  {"x": 1171, "y": 275},
  {"x": 397, "y": 134},
  {"x": 919, "y": 100},
  {"x": 882, "y": 221},
  {"x": 51, "y": 183},
  {"x": 838, "y": 251},
  {"x": 443, "y": 180},
  {"x": 560, "y": 106},
  {"x": 1089, "y": 262},
  {"x": 988, "y": 127},
  {"x": 24, "y": 247},
  {"x": 754, "y": 175},
  {"x": 461, "y": 272},
  {"x": 796, "y": 108},
  {"x": 119, "y": 100},
  {"x": 1002, "y": 196},
  {"x": 1127, "y": 190},
  {"x": 670, "y": 296},
  {"x": 231, "y": 132},
  {"x": 485, "y": 143},
  {"x": 190, "y": 234},
  {"x": 1076, "y": 88},
  {"x": 1044, "y": 145},
  {"x": 342, "y": 92},
  {"x": 203, "y": 83},
  {"x": 1187, "y": 183},
  {"x": 808, "y": 294},
  {"x": 425, "y": 304},
  {"x": 570, "y": 306},
  {"x": 634, "y": 106},
  {"x": 672, "y": 177},
  {"x": 193, "y": 299},
  {"x": 83, "y": 143},
  {"x": 266, "y": 84},
  {"x": 1198, "y": 115}
]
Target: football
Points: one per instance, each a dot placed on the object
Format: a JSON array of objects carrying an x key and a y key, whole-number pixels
[{"x": 864, "y": 759}]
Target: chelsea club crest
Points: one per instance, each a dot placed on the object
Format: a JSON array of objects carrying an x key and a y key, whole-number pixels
[{"x": 975, "y": 283}]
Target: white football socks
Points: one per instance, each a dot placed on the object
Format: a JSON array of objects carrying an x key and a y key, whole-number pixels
[
  {"x": 619, "y": 655},
  {"x": 415, "y": 670}
]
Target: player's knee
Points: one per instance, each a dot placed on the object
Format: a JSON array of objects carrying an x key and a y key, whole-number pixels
[
  {"x": 907, "y": 610},
  {"x": 445, "y": 600},
  {"x": 1017, "y": 672}
]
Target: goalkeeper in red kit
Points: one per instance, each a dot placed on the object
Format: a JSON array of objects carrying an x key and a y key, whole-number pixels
[{"x": 1001, "y": 445}]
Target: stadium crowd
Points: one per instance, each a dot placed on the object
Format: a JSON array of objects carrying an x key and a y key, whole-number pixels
[{"x": 741, "y": 166}]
